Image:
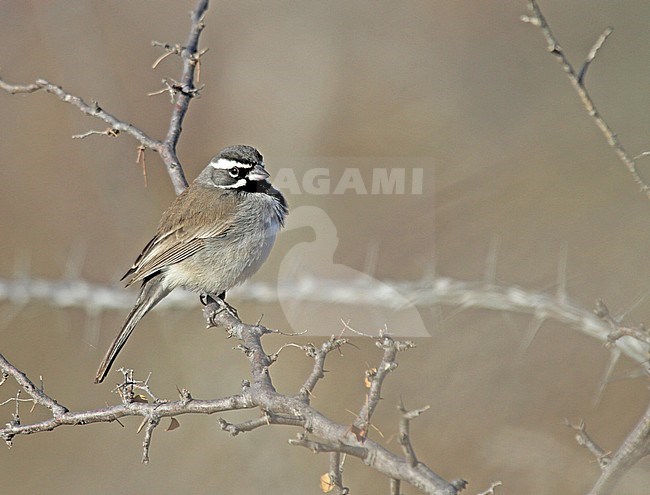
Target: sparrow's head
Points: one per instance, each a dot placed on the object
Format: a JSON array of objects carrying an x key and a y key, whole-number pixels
[{"x": 236, "y": 168}]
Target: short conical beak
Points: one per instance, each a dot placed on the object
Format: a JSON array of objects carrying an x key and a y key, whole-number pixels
[{"x": 258, "y": 173}]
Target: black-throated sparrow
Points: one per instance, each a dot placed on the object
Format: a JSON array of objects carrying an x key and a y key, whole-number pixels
[{"x": 215, "y": 235}]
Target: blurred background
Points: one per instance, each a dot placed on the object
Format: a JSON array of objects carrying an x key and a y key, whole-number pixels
[{"x": 463, "y": 90}]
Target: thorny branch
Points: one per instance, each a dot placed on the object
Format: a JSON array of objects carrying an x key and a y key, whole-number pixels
[
  {"x": 336, "y": 472},
  {"x": 131, "y": 406},
  {"x": 619, "y": 331},
  {"x": 635, "y": 447},
  {"x": 319, "y": 433},
  {"x": 260, "y": 393},
  {"x": 39, "y": 396},
  {"x": 333, "y": 437},
  {"x": 376, "y": 377},
  {"x": 584, "y": 440},
  {"x": 318, "y": 371},
  {"x": 614, "y": 465},
  {"x": 491, "y": 489},
  {"x": 577, "y": 79},
  {"x": 405, "y": 431},
  {"x": 444, "y": 291},
  {"x": 183, "y": 92},
  {"x": 637, "y": 443},
  {"x": 296, "y": 410}
]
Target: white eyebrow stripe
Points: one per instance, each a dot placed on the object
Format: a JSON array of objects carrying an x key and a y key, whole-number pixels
[
  {"x": 225, "y": 164},
  {"x": 239, "y": 183}
]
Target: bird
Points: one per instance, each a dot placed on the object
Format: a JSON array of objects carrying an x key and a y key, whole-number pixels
[{"x": 214, "y": 236}]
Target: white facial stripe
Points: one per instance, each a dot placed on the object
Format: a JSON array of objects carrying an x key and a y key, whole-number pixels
[
  {"x": 225, "y": 164},
  {"x": 239, "y": 183}
]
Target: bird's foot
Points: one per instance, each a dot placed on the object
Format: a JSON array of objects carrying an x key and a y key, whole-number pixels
[
  {"x": 220, "y": 300},
  {"x": 230, "y": 308}
]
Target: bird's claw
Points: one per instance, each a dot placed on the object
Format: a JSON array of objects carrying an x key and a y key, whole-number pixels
[
  {"x": 229, "y": 308},
  {"x": 220, "y": 300}
]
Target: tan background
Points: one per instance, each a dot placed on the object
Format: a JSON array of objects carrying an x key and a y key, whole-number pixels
[{"x": 462, "y": 84}]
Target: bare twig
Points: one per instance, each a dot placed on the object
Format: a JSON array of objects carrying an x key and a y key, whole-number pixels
[
  {"x": 19, "y": 88},
  {"x": 618, "y": 331},
  {"x": 184, "y": 92},
  {"x": 152, "y": 422},
  {"x": 491, "y": 490},
  {"x": 190, "y": 61},
  {"x": 129, "y": 385},
  {"x": 15, "y": 399},
  {"x": 584, "y": 440},
  {"x": 395, "y": 487},
  {"x": 593, "y": 52},
  {"x": 28, "y": 386},
  {"x": 61, "y": 416},
  {"x": 318, "y": 371},
  {"x": 92, "y": 110},
  {"x": 334, "y": 437},
  {"x": 107, "y": 132},
  {"x": 236, "y": 429},
  {"x": 175, "y": 49},
  {"x": 307, "y": 348},
  {"x": 635, "y": 447},
  {"x": 170, "y": 87},
  {"x": 637, "y": 444},
  {"x": 336, "y": 472},
  {"x": 141, "y": 160},
  {"x": 404, "y": 431},
  {"x": 388, "y": 364},
  {"x": 260, "y": 392},
  {"x": 536, "y": 18}
]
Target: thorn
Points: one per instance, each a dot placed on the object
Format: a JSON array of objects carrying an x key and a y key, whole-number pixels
[
  {"x": 491, "y": 261},
  {"x": 160, "y": 59},
  {"x": 592, "y": 54},
  {"x": 438, "y": 318},
  {"x": 140, "y": 160},
  {"x": 22, "y": 265},
  {"x": 642, "y": 155},
  {"x": 614, "y": 356},
  {"x": 92, "y": 325},
  {"x": 372, "y": 254},
  {"x": 635, "y": 303},
  {"x": 106, "y": 132},
  {"x": 561, "y": 273},
  {"x": 531, "y": 332},
  {"x": 75, "y": 262}
]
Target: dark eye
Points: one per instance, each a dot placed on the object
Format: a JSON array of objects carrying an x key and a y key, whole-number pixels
[{"x": 234, "y": 172}]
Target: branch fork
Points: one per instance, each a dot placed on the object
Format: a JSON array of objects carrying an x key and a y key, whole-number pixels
[
  {"x": 319, "y": 433},
  {"x": 577, "y": 79}
]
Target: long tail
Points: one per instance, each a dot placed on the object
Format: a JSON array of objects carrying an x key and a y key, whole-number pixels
[{"x": 150, "y": 294}]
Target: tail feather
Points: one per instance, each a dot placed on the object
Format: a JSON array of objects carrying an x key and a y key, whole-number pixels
[{"x": 150, "y": 295}]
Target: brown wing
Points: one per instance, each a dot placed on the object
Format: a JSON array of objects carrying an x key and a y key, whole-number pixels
[{"x": 196, "y": 214}]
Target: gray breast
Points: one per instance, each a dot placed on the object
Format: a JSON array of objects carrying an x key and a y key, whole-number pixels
[{"x": 232, "y": 257}]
